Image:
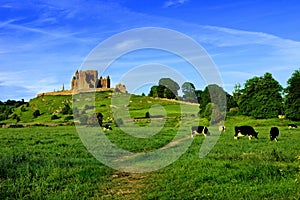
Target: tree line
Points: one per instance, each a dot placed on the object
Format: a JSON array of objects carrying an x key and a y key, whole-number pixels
[{"x": 261, "y": 97}]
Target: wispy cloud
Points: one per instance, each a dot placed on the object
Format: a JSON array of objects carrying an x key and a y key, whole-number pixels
[
  {"x": 29, "y": 83},
  {"x": 235, "y": 37},
  {"x": 174, "y": 3}
]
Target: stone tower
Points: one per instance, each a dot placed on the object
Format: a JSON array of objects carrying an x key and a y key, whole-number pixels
[{"x": 104, "y": 82}]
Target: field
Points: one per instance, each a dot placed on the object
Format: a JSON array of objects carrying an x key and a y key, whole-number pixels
[
  {"x": 52, "y": 163},
  {"x": 39, "y": 162}
]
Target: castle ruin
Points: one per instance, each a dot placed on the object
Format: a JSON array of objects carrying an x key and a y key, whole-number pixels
[{"x": 89, "y": 79}]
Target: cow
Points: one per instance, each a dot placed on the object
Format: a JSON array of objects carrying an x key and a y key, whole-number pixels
[
  {"x": 245, "y": 131},
  {"x": 200, "y": 130},
  {"x": 107, "y": 127},
  {"x": 292, "y": 126},
  {"x": 222, "y": 128},
  {"x": 274, "y": 132}
]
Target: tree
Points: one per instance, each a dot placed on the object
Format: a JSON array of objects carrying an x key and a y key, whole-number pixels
[
  {"x": 170, "y": 87},
  {"x": 157, "y": 91},
  {"x": 292, "y": 97},
  {"x": 261, "y": 97},
  {"x": 215, "y": 94},
  {"x": 188, "y": 89},
  {"x": 213, "y": 103}
]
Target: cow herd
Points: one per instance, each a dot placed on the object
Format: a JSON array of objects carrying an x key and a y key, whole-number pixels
[{"x": 240, "y": 131}]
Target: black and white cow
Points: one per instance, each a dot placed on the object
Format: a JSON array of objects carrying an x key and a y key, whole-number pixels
[
  {"x": 222, "y": 128},
  {"x": 107, "y": 127},
  {"x": 245, "y": 131},
  {"x": 274, "y": 132},
  {"x": 292, "y": 126},
  {"x": 200, "y": 130}
]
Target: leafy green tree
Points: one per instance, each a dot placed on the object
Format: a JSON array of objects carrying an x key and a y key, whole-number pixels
[
  {"x": 188, "y": 89},
  {"x": 292, "y": 98},
  {"x": 215, "y": 94},
  {"x": 261, "y": 97},
  {"x": 170, "y": 88},
  {"x": 213, "y": 103},
  {"x": 157, "y": 91}
]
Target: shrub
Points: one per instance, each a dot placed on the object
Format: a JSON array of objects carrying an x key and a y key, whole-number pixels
[
  {"x": 147, "y": 115},
  {"x": 119, "y": 122},
  {"x": 67, "y": 118},
  {"x": 36, "y": 113},
  {"x": 66, "y": 110},
  {"x": 54, "y": 117}
]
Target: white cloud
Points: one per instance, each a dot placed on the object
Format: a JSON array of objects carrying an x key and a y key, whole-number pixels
[{"x": 174, "y": 3}]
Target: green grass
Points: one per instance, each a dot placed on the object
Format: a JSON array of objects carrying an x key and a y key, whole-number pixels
[
  {"x": 48, "y": 163},
  {"x": 53, "y": 163}
]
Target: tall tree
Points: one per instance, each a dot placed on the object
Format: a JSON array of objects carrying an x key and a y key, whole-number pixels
[
  {"x": 171, "y": 87},
  {"x": 213, "y": 102},
  {"x": 188, "y": 89},
  {"x": 292, "y": 98},
  {"x": 261, "y": 97}
]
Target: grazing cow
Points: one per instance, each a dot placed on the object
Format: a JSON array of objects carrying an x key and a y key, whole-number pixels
[
  {"x": 245, "y": 130},
  {"x": 222, "y": 128},
  {"x": 107, "y": 127},
  {"x": 274, "y": 132},
  {"x": 200, "y": 130},
  {"x": 292, "y": 126}
]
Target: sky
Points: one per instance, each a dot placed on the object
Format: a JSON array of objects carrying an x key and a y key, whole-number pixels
[{"x": 43, "y": 43}]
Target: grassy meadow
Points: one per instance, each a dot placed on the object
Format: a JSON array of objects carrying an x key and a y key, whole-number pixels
[{"x": 38, "y": 162}]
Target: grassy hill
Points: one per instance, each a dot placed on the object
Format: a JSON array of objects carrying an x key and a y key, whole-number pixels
[
  {"x": 53, "y": 163},
  {"x": 61, "y": 107}
]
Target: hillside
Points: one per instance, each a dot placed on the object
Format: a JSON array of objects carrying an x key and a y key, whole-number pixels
[{"x": 57, "y": 109}]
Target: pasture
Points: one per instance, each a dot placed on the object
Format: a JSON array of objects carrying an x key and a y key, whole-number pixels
[{"x": 52, "y": 163}]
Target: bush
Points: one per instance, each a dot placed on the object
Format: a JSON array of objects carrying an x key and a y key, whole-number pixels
[
  {"x": 119, "y": 122},
  {"x": 67, "y": 118},
  {"x": 53, "y": 117},
  {"x": 147, "y": 115},
  {"x": 36, "y": 113},
  {"x": 66, "y": 110}
]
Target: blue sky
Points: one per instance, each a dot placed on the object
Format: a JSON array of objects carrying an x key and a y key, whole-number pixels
[{"x": 42, "y": 43}]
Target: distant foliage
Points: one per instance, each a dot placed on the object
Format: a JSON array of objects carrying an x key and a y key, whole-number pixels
[
  {"x": 213, "y": 101},
  {"x": 292, "y": 98},
  {"x": 188, "y": 89},
  {"x": 260, "y": 97},
  {"x": 7, "y": 107},
  {"x": 166, "y": 88}
]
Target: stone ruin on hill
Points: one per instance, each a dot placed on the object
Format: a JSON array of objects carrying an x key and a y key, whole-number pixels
[{"x": 89, "y": 79}]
